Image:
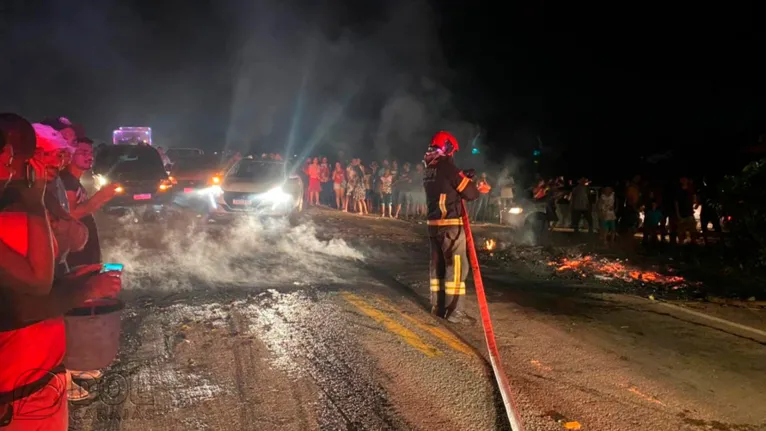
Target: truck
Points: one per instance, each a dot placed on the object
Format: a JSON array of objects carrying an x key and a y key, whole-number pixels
[{"x": 132, "y": 135}]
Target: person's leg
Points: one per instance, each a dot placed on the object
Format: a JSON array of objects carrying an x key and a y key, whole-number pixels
[
  {"x": 436, "y": 274},
  {"x": 454, "y": 249},
  {"x": 476, "y": 208},
  {"x": 576, "y": 214}
]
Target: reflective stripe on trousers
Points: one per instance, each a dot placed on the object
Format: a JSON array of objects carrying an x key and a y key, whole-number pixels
[{"x": 448, "y": 267}]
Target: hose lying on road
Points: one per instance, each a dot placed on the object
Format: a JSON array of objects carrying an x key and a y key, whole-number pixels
[{"x": 489, "y": 333}]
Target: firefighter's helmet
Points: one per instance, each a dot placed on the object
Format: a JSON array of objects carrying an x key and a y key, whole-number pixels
[{"x": 445, "y": 142}]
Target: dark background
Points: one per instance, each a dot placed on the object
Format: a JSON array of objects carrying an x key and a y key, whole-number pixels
[{"x": 598, "y": 89}]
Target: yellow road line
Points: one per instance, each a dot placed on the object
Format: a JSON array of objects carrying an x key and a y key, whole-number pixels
[
  {"x": 392, "y": 326},
  {"x": 649, "y": 398},
  {"x": 440, "y": 333}
]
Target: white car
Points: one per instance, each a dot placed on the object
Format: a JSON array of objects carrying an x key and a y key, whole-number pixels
[{"x": 256, "y": 187}]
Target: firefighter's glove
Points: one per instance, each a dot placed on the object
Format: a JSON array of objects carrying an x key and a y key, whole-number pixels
[{"x": 470, "y": 173}]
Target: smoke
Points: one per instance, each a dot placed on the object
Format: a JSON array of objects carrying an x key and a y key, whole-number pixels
[
  {"x": 312, "y": 80},
  {"x": 249, "y": 253},
  {"x": 368, "y": 78}
]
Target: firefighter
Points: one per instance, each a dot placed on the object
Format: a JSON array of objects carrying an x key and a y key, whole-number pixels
[{"x": 446, "y": 186}]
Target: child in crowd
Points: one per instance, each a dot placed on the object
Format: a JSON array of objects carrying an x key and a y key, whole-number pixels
[
  {"x": 339, "y": 185},
  {"x": 386, "y": 193},
  {"x": 607, "y": 215},
  {"x": 652, "y": 219}
]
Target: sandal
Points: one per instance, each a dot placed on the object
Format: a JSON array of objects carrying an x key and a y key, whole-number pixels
[
  {"x": 76, "y": 392},
  {"x": 86, "y": 375}
]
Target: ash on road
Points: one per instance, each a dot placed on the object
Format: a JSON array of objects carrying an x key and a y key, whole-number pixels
[{"x": 323, "y": 326}]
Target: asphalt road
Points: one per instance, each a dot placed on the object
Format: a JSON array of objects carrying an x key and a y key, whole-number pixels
[{"x": 323, "y": 325}]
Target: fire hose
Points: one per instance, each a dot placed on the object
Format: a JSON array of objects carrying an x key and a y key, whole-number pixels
[{"x": 489, "y": 334}]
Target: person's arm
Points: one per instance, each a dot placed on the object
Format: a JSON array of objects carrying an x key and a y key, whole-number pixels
[
  {"x": 98, "y": 200},
  {"x": 32, "y": 274},
  {"x": 66, "y": 294},
  {"x": 465, "y": 187}
]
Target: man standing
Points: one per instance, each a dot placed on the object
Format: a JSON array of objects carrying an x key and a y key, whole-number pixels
[
  {"x": 67, "y": 130},
  {"x": 82, "y": 207},
  {"x": 446, "y": 187},
  {"x": 403, "y": 188},
  {"x": 581, "y": 206}
]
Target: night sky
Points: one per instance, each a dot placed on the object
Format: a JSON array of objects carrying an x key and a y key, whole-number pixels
[{"x": 599, "y": 86}]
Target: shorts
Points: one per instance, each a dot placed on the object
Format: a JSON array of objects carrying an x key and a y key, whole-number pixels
[
  {"x": 419, "y": 198},
  {"x": 338, "y": 187},
  {"x": 402, "y": 198},
  {"x": 368, "y": 194},
  {"x": 387, "y": 198},
  {"x": 609, "y": 225}
]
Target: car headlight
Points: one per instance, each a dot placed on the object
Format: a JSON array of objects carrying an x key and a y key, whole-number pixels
[
  {"x": 276, "y": 195},
  {"x": 516, "y": 210},
  {"x": 100, "y": 181}
]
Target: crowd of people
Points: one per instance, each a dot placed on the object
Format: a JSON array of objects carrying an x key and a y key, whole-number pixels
[
  {"x": 50, "y": 263},
  {"x": 670, "y": 213},
  {"x": 385, "y": 189}
]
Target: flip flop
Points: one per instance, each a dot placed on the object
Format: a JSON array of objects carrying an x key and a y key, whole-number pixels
[
  {"x": 77, "y": 393},
  {"x": 86, "y": 375}
]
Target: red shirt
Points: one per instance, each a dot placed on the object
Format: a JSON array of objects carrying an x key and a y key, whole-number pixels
[
  {"x": 338, "y": 177},
  {"x": 27, "y": 354}
]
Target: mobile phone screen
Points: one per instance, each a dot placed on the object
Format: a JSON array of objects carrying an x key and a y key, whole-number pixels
[{"x": 107, "y": 267}]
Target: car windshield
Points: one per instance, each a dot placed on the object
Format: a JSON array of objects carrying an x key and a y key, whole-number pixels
[
  {"x": 258, "y": 171},
  {"x": 182, "y": 152},
  {"x": 129, "y": 161},
  {"x": 196, "y": 163}
]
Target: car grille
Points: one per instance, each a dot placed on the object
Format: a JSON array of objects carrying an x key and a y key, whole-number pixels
[
  {"x": 137, "y": 187},
  {"x": 190, "y": 183},
  {"x": 230, "y": 197}
]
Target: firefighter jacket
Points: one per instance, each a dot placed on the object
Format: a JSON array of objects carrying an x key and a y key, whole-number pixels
[{"x": 446, "y": 186}]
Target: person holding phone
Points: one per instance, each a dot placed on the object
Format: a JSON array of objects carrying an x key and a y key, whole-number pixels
[
  {"x": 81, "y": 208},
  {"x": 32, "y": 302}
]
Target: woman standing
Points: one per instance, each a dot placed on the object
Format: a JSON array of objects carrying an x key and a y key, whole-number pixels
[
  {"x": 315, "y": 186},
  {"x": 350, "y": 187},
  {"x": 339, "y": 185},
  {"x": 360, "y": 193}
]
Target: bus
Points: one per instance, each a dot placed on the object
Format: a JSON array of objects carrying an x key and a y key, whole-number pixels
[{"x": 132, "y": 135}]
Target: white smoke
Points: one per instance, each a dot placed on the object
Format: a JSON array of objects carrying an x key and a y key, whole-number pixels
[{"x": 248, "y": 253}]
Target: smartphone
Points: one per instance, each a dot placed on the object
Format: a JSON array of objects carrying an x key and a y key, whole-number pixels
[{"x": 108, "y": 267}]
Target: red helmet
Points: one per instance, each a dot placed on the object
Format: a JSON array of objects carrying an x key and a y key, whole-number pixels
[{"x": 445, "y": 142}]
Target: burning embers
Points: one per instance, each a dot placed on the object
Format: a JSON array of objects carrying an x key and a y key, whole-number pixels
[
  {"x": 490, "y": 244},
  {"x": 606, "y": 269}
]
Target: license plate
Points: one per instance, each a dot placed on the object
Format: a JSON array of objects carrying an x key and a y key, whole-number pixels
[
  {"x": 240, "y": 202},
  {"x": 142, "y": 197},
  {"x": 188, "y": 190}
]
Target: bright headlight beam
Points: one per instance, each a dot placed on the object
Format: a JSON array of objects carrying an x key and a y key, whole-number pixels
[
  {"x": 516, "y": 210},
  {"x": 101, "y": 181},
  {"x": 276, "y": 195}
]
